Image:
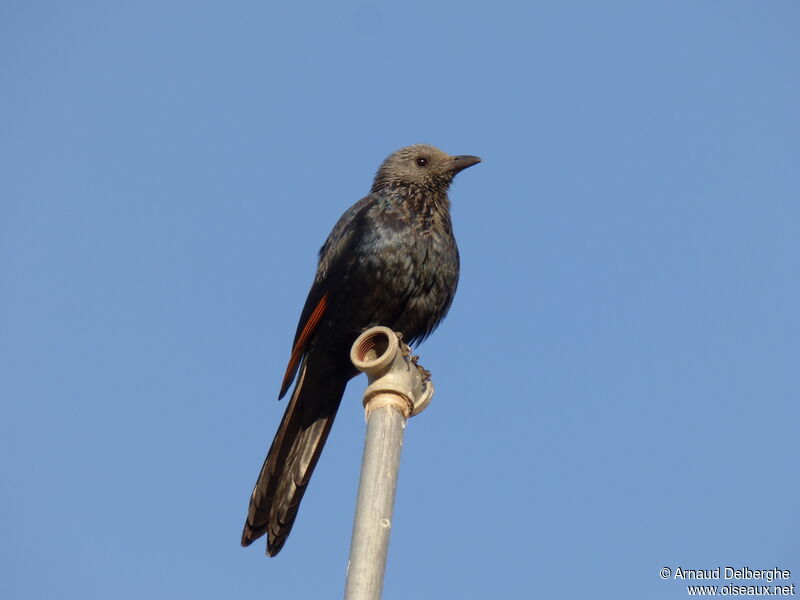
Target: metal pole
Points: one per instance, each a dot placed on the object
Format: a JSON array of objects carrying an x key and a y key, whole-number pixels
[{"x": 398, "y": 388}]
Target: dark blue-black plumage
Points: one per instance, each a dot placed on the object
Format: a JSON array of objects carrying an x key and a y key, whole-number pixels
[{"x": 391, "y": 260}]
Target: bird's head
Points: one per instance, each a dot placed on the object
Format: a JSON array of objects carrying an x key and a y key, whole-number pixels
[{"x": 421, "y": 165}]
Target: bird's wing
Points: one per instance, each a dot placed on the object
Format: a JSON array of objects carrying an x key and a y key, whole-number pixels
[
  {"x": 336, "y": 247},
  {"x": 309, "y": 320}
]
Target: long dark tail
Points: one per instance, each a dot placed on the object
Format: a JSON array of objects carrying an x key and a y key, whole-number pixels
[{"x": 293, "y": 454}]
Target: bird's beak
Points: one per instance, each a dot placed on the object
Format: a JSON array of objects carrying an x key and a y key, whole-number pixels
[{"x": 459, "y": 163}]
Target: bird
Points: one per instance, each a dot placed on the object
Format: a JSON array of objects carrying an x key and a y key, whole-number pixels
[{"x": 391, "y": 259}]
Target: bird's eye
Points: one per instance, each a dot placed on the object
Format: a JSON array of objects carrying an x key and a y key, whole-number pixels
[{"x": 421, "y": 162}]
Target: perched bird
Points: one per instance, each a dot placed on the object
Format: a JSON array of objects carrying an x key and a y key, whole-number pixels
[{"x": 390, "y": 260}]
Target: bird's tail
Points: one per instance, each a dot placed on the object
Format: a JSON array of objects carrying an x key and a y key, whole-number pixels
[{"x": 292, "y": 458}]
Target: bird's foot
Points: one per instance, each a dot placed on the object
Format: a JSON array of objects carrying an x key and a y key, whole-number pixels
[
  {"x": 424, "y": 373},
  {"x": 405, "y": 350}
]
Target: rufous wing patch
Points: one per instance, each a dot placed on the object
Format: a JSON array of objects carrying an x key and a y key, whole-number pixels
[{"x": 302, "y": 341}]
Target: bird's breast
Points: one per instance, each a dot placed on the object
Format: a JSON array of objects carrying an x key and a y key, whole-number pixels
[{"x": 411, "y": 278}]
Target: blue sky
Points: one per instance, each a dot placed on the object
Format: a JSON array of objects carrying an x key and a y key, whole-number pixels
[{"x": 617, "y": 381}]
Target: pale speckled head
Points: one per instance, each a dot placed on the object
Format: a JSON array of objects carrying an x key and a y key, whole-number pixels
[{"x": 421, "y": 165}]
